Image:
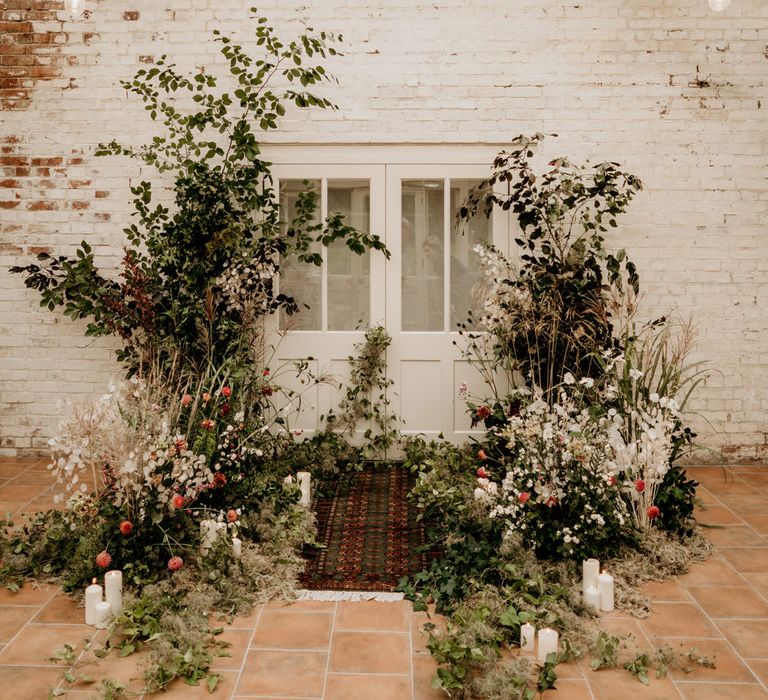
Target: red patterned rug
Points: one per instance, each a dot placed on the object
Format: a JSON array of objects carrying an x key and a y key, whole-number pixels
[{"x": 369, "y": 533}]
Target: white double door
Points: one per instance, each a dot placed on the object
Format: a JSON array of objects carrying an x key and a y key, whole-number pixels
[{"x": 419, "y": 294}]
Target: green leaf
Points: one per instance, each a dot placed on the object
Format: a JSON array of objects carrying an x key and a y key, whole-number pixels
[{"x": 212, "y": 681}]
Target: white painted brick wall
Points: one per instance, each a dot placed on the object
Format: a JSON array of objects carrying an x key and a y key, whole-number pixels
[{"x": 676, "y": 93}]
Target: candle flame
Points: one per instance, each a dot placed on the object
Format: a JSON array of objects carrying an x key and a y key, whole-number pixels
[{"x": 94, "y": 581}]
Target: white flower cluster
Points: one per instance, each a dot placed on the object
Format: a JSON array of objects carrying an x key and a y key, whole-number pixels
[
  {"x": 640, "y": 447},
  {"x": 122, "y": 447},
  {"x": 506, "y": 304},
  {"x": 245, "y": 282}
]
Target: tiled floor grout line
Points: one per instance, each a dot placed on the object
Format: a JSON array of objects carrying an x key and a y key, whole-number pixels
[
  {"x": 410, "y": 650},
  {"x": 330, "y": 646},
  {"x": 713, "y": 621},
  {"x": 248, "y": 649}
]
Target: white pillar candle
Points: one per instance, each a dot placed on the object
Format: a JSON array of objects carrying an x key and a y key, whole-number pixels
[
  {"x": 592, "y": 598},
  {"x": 103, "y": 611},
  {"x": 113, "y": 590},
  {"x": 606, "y": 587},
  {"x": 93, "y": 596},
  {"x": 527, "y": 636},
  {"x": 237, "y": 547},
  {"x": 590, "y": 570},
  {"x": 547, "y": 644},
  {"x": 304, "y": 480}
]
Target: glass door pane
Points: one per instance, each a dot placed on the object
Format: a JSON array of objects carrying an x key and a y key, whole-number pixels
[
  {"x": 349, "y": 278},
  {"x": 423, "y": 250},
  {"x": 465, "y": 262},
  {"x": 299, "y": 280}
]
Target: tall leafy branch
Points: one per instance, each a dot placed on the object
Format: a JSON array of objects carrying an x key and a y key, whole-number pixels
[{"x": 199, "y": 276}]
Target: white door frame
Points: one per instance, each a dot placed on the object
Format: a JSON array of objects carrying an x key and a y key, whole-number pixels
[{"x": 385, "y": 166}]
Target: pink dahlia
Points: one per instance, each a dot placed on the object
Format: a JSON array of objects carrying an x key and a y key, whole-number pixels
[
  {"x": 103, "y": 559},
  {"x": 523, "y": 497},
  {"x": 175, "y": 563},
  {"x": 126, "y": 527},
  {"x": 653, "y": 512}
]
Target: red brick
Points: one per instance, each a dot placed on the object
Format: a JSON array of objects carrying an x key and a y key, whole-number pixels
[
  {"x": 42, "y": 206},
  {"x": 8, "y": 205},
  {"x": 131, "y": 15},
  {"x": 79, "y": 204}
]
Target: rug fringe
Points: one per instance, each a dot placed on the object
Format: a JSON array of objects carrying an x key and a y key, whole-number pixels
[{"x": 381, "y": 596}]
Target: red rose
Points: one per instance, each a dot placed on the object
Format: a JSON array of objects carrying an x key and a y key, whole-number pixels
[
  {"x": 231, "y": 515},
  {"x": 640, "y": 485},
  {"x": 177, "y": 501},
  {"x": 126, "y": 527},
  {"x": 103, "y": 559},
  {"x": 265, "y": 373},
  {"x": 653, "y": 512},
  {"x": 483, "y": 412},
  {"x": 482, "y": 474},
  {"x": 225, "y": 409},
  {"x": 481, "y": 455},
  {"x": 226, "y": 392},
  {"x": 523, "y": 497},
  {"x": 175, "y": 563}
]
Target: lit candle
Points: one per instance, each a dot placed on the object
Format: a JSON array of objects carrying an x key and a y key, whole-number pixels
[
  {"x": 304, "y": 480},
  {"x": 590, "y": 570},
  {"x": 547, "y": 644},
  {"x": 92, "y": 599},
  {"x": 113, "y": 590},
  {"x": 237, "y": 547},
  {"x": 103, "y": 611},
  {"x": 592, "y": 598},
  {"x": 527, "y": 635},
  {"x": 605, "y": 586}
]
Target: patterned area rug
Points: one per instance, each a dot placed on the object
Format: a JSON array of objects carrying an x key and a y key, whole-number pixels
[{"x": 369, "y": 531}]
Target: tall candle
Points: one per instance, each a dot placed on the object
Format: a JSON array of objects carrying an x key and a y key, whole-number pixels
[
  {"x": 304, "y": 480},
  {"x": 527, "y": 635},
  {"x": 103, "y": 611},
  {"x": 547, "y": 644},
  {"x": 592, "y": 598},
  {"x": 590, "y": 570},
  {"x": 606, "y": 588},
  {"x": 237, "y": 547},
  {"x": 113, "y": 590},
  {"x": 93, "y": 596}
]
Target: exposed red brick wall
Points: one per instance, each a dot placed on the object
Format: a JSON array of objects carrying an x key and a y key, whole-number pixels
[{"x": 28, "y": 53}]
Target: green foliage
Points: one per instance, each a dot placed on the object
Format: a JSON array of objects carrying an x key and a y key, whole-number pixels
[
  {"x": 197, "y": 278},
  {"x": 566, "y": 276},
  {"x": 366, "y": 399}
]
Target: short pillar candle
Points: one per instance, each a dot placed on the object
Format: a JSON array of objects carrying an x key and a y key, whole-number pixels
[
  {"x": 606, "y": 587},
  {"x": 93, "y": 596},
  {"x": 103, "y": 612},
  {"x": 527, "y": 637},
  {"x": 547, "y": 644}
]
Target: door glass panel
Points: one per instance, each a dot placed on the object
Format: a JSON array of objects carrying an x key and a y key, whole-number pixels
[
  {"x": 422, "y": 248},
  {"x": 299, "y": 280},
  {"x": 465, "y": 262},
  {"x": 349, "y": 281}
]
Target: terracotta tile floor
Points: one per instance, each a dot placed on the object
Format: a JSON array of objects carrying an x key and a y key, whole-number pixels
[{"x": 371, "y": 650}]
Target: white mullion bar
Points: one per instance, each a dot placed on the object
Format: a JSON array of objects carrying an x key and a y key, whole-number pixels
[
  {"x": 446, "y": 254},
  {"x": 324, "y": 252}
]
